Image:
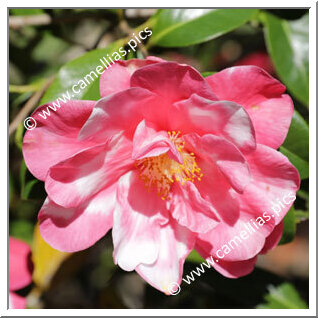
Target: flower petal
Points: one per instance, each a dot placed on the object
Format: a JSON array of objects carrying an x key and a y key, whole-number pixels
[
  {"x": 117, "y": 77},
  {"x": 273, "y": 240},
  {"x": 175, "y": 244},
  {"x": 274, "y": 184},
  {"x": 221, "y": 118},
  {"x": 171, "y": 81},
  {"x": 118, "y": 112},
  {"x": 148, "y": 142},
  {"x": 191, "y": 210},
  {"x": 261, "y": 95},
  {"x": 75, "y": 229},
  {"x": 16, "y": 301},
  {"x": 73, "y": 181},
  {"x": 238, "y": 242},
  {"x": 137, "y": 220},
  {"x": 20, "y": 266},
  {"x": 224, "y": 155},
  {"x": 55, "y": 138}
]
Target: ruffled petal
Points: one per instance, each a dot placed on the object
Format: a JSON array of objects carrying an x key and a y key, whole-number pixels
[
  {"x": 148, "y": 142},
  {"x": 137, "y": 220},
  {"x": 222, "y": 118},
  {"x": 191, "y": 210},
  {"x": 121, "y": 111},
  {"x": 262, "y": 97},
  {"x": 274, "y": 184},
  {"x": 20, "y": 266},
  {"x": 117, "y": 77},
  {"x": 175, "y": 244},
  {"x": 75, "y": 229},
  {"x": 171, "y": 81},
  {"x": 73, "y": 181},
  {"x": 224, "y": 155},
  {"x": 241, "y": 241},
  {"x": 55, "y": 138}
]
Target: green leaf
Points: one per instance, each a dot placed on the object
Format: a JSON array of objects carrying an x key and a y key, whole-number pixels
[
  {"x": 206, "y": 74},
  {"x": 297, "y": 140},
  {"x": 301, "y": 215},
  {"x": 22, "y": 230},
  {"x": 184, "y": 27},
  {"x": 284, "y": 296},
  {"x": 301, "y": 165},
  {"x": 289, "y": 227},
  {"x": 195, "y": 257},
  {"x": 296, "y": 145},
  {"x": 72, "y": 72},
  {"x": 27, "y": 189},
  {"x": 287, "y": 43},
  {"x": 26, "y": 11}
]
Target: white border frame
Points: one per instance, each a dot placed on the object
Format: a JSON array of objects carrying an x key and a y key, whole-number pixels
[{"x": 312, "y": 154}]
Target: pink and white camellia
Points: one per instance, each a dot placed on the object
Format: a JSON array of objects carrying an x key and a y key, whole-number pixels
[
  {"x": 20, "y": 271},
  {"x": 170, "y": 161}
]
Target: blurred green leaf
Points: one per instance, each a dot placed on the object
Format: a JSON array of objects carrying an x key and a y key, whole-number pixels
[
  {"x": 301, "y": 215},
  {"x": 27, "y": 189},
  {"x": 297, "y": 140},
  {"x": 289, "y": 227},
  {"x": 284, "y": 296},
  {"x": 23, "y": 169},
  {"x": 26, "y": 11},
  {"x": 288, "y": 44},
  {"x": 18, "y": 136},
  {"x": 206, "y": 74},
  {"x": 296, "y": 145},
  {"x": 74, "y": 71},
  {"x": 21, "y": 229},
  {"x": 195, "y": 257},
  {"x": 183, "y": 27}
]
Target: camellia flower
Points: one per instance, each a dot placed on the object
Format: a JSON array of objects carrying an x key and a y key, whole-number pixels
[
  {"x": 20, "y": 269},
  {"x": 171, "y": 162}
]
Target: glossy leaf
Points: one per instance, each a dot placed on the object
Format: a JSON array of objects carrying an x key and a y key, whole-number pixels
[
  {"x": 184, "y": 27},
  {"x": 289, "y": 227},
  {"x": 73, "y": 72},
  {"x": 288, "y": 44},
  {"x": 284, "y": 296}
]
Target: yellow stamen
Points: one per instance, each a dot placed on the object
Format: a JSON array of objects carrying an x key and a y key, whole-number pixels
[{"x": 161, "y": 172}]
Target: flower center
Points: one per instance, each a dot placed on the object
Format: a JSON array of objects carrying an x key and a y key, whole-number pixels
[{"x": 161, "y": 172}]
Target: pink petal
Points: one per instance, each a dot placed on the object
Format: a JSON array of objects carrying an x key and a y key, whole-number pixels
[
  {"x": 273, "y": 240},
  {"x": 224, "y": 155},
  {"x": 214, "y": 188},
  {"x": 221, "y": 118},
  {"x": 171, "y": 81},
  {"x": 236, "y": 269},
  {"x": 261, "y": 95},
  {"x": 191, "y": 210},
  {"x": 137, "y": 220},
  {"x": 238, "y": 242},
  {"x": 274, "y": 184},
  {"x": 148, "y": 142},
  {"x": 20, "y": 266},
  {"x": 175, "y": 244},
  {"x": 271, "y": 119},
  {"x": 55, "y": 138},
  {"x": 75, "y": 229},
  {"x": 118, "y": 112},
  {"x": 73, "y": 181},
  {"x": 16, "y": 301},
  {"x": 117, "y": 77}
]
